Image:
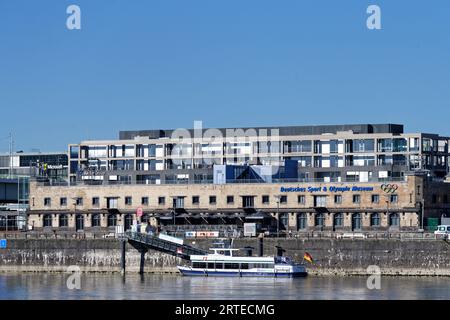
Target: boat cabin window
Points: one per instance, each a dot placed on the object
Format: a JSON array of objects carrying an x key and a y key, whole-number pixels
[
  {"x": 261, "y": 265},
  {"x": 219, "y": 265},
  {"x": 244, "y": 265},
  {"x": 231, "y": 265},
  {"x": 210, "y": 265},
  {"x": 199, "y": 265}
]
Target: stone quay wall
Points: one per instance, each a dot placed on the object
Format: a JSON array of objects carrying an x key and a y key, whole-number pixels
[{"x": 331, "y": 256}]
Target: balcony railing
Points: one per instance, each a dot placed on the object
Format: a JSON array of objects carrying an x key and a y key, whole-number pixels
[{"x": 228, "y": 181}]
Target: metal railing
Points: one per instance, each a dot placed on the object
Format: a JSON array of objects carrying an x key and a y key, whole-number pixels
[
  {"x": 181, "y": 250},
  {"x": 229, "y": 181},
  {"x": 404, "y": 236}
]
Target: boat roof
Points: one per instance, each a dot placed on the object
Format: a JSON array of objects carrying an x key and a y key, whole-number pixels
[{"x": 221, "y": 258}]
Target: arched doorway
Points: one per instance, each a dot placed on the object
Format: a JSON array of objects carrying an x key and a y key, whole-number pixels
[
  {"x": 79, "y": 222},
  {"x": 356, "y": 221}
]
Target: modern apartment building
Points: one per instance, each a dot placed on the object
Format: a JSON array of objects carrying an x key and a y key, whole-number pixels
[
  {"x": 347, "y": 177},
  {"x": 327, "y": 153}
]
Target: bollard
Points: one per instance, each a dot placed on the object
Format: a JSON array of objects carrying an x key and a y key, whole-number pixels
[
  {"x": 261, "y": 246},
  {"x": 141, "y": 266},
  {"x": 123, "y": 257}
]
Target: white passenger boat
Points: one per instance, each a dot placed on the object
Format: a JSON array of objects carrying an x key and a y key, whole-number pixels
[{"x": 223, "y": 263}]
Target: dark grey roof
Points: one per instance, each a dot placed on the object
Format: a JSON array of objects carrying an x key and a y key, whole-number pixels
[{"x": 284, "y": 131}]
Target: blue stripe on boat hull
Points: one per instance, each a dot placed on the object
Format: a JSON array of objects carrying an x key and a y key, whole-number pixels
[{"x": 243, "y": 274}]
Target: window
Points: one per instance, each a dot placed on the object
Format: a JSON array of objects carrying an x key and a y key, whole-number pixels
[
  {"x": 63, "y": 202},
  {"x": 301, "y": 221},
  {"x": 178, "y": 202},
  {"x": 144, "y": 201},
  {"x": 375, "y": 220},
  {"x": 301, "y": 199},
  {"x": 394, "y": 198},
  {"x": 248, "y": 201},
  {"x": 356, "y": 221},
  {"x": 195, "y": 200},
  {"x": 375, "y": 198},
  {"x": 434, "y": 198},
  {"x": 356, "y": 198},
  {"x": 95, "y": 220},
  {"x": 284, "y": 221},
  {"x": 319, "y": 220},
  {"x": 95, "y": 201},
  {"x": 212, "y": 199},
  {"x": 199, "y": 265},
  {"x": 128, "y": 201},
  {"x": 47, "y": 220},
  {"x": 112, "y": 203},
  {"x": 394, "y": 220},
  {"x": 145, "y": 218},
  {"x": 47, "y": 202},
  {"x": 112, "y": 220},
  {"x": 161, "y": 201},
  {"x": 265, "y": 199},
  {"x": 230, "y": 199},
  {"x": 63, "y": 220},
  {"x": 338, "y": 220},
  {"x": 128, "y": 222},
  {"x": 338, "y": 199},
  {"x": 79, "y": 201},
  {"x": 320, "y": 201},
  {"x": 283, "y": 199},
  {"x": 79, "y": 222}
]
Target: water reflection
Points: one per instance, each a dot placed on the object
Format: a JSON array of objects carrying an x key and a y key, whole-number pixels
[{"x": 115, "y": 286}]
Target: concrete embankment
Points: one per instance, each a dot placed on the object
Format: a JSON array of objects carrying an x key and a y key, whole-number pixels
[{"x": 331, "y": 256}]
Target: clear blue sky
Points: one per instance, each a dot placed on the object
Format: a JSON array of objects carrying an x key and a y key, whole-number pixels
[{"x": 145, "y": 64}]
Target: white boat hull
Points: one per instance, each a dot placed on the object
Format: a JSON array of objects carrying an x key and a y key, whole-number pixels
[{"x": 294, "y": 272}]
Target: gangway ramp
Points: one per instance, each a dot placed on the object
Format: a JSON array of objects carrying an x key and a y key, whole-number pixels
[{"x": 144, "y": 242}]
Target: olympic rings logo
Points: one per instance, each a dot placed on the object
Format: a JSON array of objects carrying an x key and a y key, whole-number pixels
[{"x": 389, "y": 188}]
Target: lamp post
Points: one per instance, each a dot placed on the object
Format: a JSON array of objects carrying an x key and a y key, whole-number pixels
[
  {"x": 423, "y": 213},
  {"x": 387, "y": 212},
  {"x": 278, "y": 215}
]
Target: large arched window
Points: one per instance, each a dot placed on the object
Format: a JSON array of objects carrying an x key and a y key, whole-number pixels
[
  {"x": 319, "y": 220},
  {"x": 375, "y": 219},
  {"x": 394, "y": 220},
  {"x": 79, "y": 222},
  {"x": 356, "y": 221},
  {"x": 128, "y": 221},
  {"x": 96, "y": 220},
  {"x": 284, "y": 221},
  {"x": 338, "y": 220},
  {"x": 145, "y": 218},
  {"x": 112, "y": 220},
  {"x": 63, "y": 220},
  {"x": 48, "y": 221},
  {"x": 302, "y": 221}
]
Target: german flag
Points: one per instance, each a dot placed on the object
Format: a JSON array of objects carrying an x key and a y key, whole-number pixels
[{"x": 308, "y": 257}]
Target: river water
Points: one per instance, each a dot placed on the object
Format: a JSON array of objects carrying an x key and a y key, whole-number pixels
[{"x": 174, "y": 287}]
